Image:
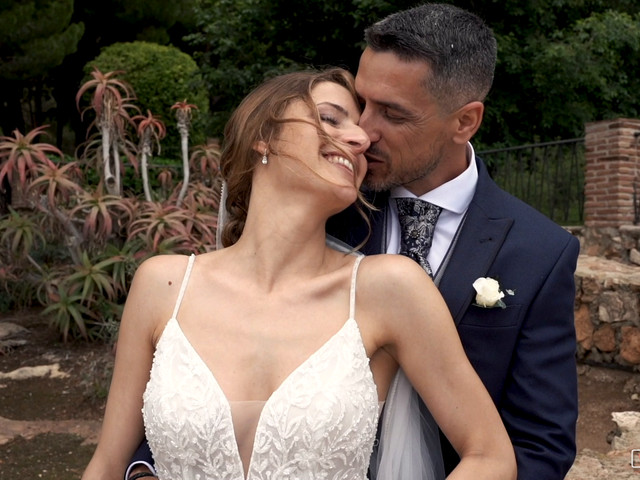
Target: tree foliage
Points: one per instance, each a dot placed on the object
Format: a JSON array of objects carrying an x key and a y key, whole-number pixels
[
  {"x": 36, "y": 36},
  {"x": 160, "y": 76},
  {"x": 561, "y": 63},
  {"x": 590, "y": 71},
  {"x": 238, "y": 43}
]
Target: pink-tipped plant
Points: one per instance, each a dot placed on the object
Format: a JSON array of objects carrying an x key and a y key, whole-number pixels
[
  {"x": 109, "y": 102},
  {"x": 183, "y": 115},
  {"x": 205, "y": 161},
  {"x": 150, "y": 131},
  {"x": 21, "y": 156}
]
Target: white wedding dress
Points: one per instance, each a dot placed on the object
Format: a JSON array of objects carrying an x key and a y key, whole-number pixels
[{"x": 319, "y": 424}]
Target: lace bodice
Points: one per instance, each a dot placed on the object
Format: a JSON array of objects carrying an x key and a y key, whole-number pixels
[{"x": 319, "y": 424}]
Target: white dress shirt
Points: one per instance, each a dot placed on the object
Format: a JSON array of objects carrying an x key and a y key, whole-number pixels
[{"x": 454, "y": 197}]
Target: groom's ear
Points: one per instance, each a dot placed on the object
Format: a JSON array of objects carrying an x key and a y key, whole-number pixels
[{"x": 467, "y": 121}]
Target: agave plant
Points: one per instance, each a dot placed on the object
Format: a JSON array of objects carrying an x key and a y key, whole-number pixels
[
  {"x": 165, "y": 178},
  {"x": 204, "y": 198},
  {"x": 126, "y": 259},
  {"x": 102, "y": 215},
  {"x": 109, "y": 102},
  {"x": 157, "y": 222},
  {"x": 57, "y": 183},
  {"x": 50, "y": 278},
  {"x": 20, "y": 234},
  {"x": 183, "y": 115},
  {"x": 150, "y": 130},
  {"x": 203, "y": 231},
  {"x": 205, "y": 161},
  {"x": 55, "y": 186},
  {"x": 20, "y": 157},
  {"x": 78, "y": 297},
  {"x": 92, "y": 280},
  {"x": 68, "y": 314}
]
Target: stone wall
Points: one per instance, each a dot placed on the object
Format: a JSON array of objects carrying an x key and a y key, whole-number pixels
[
  {"x": 607, "y": 314},
  {"x": 607, "y": 305},
  {"x": 621, "y": 244}
]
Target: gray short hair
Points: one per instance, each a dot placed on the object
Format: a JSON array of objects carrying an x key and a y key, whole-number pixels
[{"x": 457, "y": 45}]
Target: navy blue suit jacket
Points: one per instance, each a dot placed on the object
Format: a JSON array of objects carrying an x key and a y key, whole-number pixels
[{"x": 525, "y": 353}]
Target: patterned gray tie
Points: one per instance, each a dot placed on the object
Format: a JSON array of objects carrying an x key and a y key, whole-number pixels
[{"x": 417, "y": 222}]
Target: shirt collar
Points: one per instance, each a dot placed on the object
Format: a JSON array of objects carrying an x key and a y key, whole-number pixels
[{"x": 455, "y": 195}]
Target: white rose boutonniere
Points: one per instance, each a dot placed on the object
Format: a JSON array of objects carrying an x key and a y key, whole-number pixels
[{"x": 489, "y": 293}]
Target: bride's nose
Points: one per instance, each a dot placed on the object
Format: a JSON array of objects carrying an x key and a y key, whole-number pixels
[{"x": 357, "y": 139}]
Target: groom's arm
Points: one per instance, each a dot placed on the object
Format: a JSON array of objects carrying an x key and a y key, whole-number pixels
[
  {"x": 540, "y": 405},
  {"x": 142, "y": 461}
]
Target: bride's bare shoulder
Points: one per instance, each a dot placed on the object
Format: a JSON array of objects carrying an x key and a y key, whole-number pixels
[
  {"x": 163, "y": 266},
  {"x": 159, "y": 275},
  {"x": 397, "y": 268},
  {"x": 388, "y": 275}
]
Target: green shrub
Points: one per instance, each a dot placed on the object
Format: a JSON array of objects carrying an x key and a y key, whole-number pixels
[{"x": 160, "y": 77}]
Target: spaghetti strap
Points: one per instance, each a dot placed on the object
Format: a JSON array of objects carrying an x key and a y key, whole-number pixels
[
  {"x": 183, "y": 286},
  {"x": 352, "y": 293}
]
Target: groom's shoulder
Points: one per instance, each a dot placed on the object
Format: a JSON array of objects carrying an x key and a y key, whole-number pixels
[
  {"x": 533, "y": 233},
  {"x": 497, "y": 202}
]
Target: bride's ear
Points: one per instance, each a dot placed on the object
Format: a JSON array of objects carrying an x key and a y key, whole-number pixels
[{"x": 261, "y": 147}]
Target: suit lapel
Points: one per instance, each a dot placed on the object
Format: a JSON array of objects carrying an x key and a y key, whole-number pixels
[
  {"x": 480, "y": 240},
  {"x": 477, "y": 246}
]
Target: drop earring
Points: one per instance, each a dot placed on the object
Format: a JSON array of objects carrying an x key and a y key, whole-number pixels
[{"x": 265, "y": 159}]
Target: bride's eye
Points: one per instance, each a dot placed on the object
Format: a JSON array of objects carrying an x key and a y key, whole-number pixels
[{"x": 331, "y": 120}]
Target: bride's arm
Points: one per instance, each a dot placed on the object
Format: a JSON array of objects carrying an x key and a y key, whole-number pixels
[
  {"x": 122, "y": 427},
  {"x": 413, "y": 324}
]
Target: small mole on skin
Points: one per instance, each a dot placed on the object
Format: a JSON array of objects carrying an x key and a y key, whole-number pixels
[{"x": 170, "y": 283}]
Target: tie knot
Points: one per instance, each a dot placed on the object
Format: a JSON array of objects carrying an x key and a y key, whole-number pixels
[{"x": 415, "y": 207}]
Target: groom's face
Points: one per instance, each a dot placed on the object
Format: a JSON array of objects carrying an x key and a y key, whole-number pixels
[{"x": 409, "y": 133}]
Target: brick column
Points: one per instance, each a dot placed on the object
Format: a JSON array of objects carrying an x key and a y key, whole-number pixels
[{"x": 612, "y": 167}]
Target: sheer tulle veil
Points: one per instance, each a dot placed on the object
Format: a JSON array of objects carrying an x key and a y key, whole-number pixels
[
  {"x": 409, "y": 443},
  {"x": 222, "y": 215}
]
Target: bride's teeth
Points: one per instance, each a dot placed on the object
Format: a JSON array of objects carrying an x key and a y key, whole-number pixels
[{"x": 342, "y": 161}]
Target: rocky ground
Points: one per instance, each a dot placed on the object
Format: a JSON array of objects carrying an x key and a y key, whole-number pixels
[{"x": 52, "y": 400}]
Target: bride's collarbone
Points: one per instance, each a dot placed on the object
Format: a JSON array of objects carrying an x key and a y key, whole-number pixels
[{"x": 281, "y": 292}]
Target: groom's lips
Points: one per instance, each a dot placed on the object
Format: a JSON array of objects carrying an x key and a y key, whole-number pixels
[
  {"x": 373, "y": 155},
  {"x": 372, "y": 161}
]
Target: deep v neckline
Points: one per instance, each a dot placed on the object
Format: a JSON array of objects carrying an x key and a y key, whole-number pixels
[
  {"x": 315, "y": 353},
  {"x": 352, "y": 307},
  {"x": 272, "y": 397}
]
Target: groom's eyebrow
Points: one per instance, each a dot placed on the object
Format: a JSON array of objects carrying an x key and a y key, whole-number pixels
[
  {"x": 398, "y": 108},
  {"x": 386, "y": 104}
]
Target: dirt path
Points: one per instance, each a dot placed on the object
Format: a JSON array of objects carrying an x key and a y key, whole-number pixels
[{"x": 50, "y": 415}]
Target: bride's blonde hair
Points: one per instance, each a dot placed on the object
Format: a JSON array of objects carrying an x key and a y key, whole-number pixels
[{"x": 259, "y": 117}]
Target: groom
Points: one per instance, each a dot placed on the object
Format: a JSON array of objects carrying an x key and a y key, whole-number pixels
[{"x": 422, "y": 79}]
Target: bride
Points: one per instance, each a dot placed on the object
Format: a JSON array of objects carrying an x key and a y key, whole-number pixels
[{"x": 271, "y": 358}]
